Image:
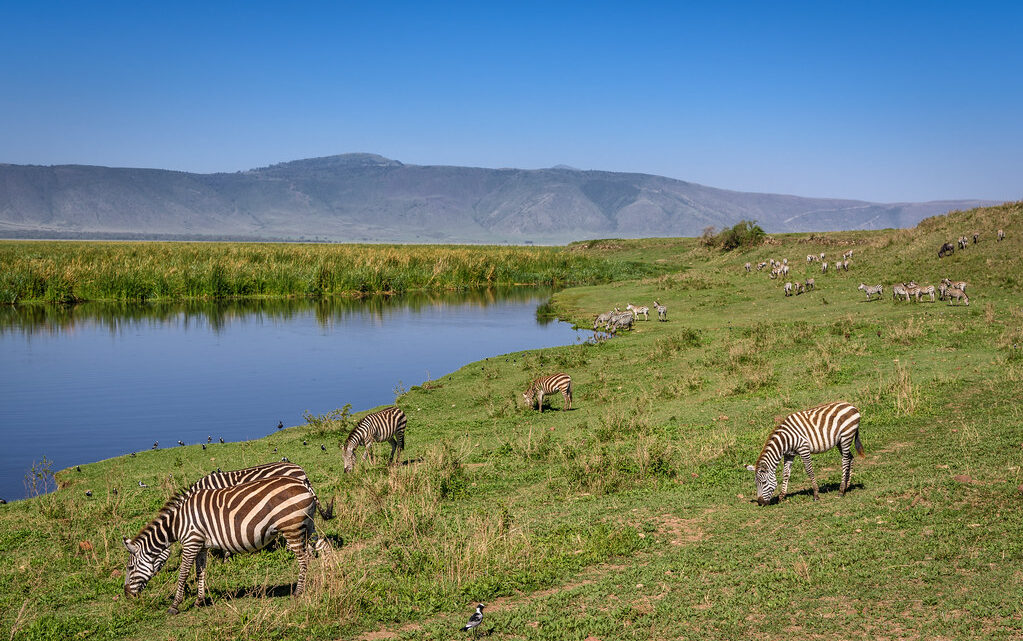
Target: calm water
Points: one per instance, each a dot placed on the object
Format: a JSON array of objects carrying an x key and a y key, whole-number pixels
[{"x": 86, "y": 383}]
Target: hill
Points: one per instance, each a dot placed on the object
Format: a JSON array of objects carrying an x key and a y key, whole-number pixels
[
  {"x": 368, "y": 198},
  {"x": 630, "y": 515}
]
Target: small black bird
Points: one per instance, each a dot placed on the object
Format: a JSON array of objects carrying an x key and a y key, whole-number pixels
[
  {"x": 133, "y": 454},
  {"x": 78, "y": 468},
  {"x": 180, "y": 443},
  {"x": 141, "y": 484},
  {"x": 3, "y": 501},
  {"x": 204, "y": 446},
  {"x": 275, "y": 450},
  {"x": 323, "y": 447},
  {"x": 305, "y": 443},
  {"x": 209, "y": 439},
  {"x": 221, "y": 440},
  {"x": 218, "y": 469},
  {"x": 156, "y": 445},
  {"x": 88, "y": 493},
  {"x": 280, "y": 425},
  {"x": 284, "y": 459},
  {"x": 476, "y": 618},
  {"x": 114, "y": 491}
]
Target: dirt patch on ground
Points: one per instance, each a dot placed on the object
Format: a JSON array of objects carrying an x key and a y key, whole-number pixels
[{"x": 680, "y": 531}]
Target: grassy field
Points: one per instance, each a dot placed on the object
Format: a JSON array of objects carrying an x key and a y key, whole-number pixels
[
  {"x": 628, "y": 517},
  {"x": 67, "y": 272}
]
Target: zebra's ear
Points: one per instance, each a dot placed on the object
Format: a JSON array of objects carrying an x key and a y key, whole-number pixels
[
  {"x": 131, "y": 547},
  {"x": 751, "y": 468}
]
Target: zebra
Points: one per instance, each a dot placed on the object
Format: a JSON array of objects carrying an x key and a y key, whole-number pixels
[
  {"x": 602, "y": 319},
  {"x": 804, "y": 433},
  {"x": 241, "y": 518},
  {"x": 761, "y": 266},
  {"x": 925, "y": 291},
  {"x": 912, "y": 290},
  {"x": 386, "y": 425},
  {"x": 847, "y": 255},
  {"x": 645, "y": 311},
  {"x": 788, "y": 289},
  {"x": 976, "y": 236},
  {"x": 785, "y": 269},
  {"x": 871, "y": 290},
  {"x": 784, "y": 261},
  {"x": 962, "y": 242},
  {"x": 810, "y": 284},
  {"x": 774, "y": 273},
  {"x": 810, "y": 258},
  {"x": 824, "y": 268},
  {"x": 749, "y": 267},
  {"x": 1001, "y": 234},
  {"x": 822, "y": 256},
  {"x": 898, "y": 291},
  {"x": 662, "y": 312},
  {"x": 958, "y": 294},
  {"x": 845, "y": 266},
  {"x": 620, "y": 320},
  {"x": 958, "y": 284},
  {"x": 560, "y": 382},
  {"x": 800, "y": 288}
]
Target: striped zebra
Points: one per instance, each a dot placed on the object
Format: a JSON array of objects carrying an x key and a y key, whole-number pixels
[
  {"x": 925, "y": 291},
  {"x": 804, "y": 433},
  {"x": 810, "y": 284},
  {"x": 219, "y": 480},
  {"x": 620, "y": 320},
  {"x": 761, "y": 266},
  {"x": 898, "y": 291},
  {"x": 958, "y": 284},
  {"x": 602, "y": 320},
  {"x": 871, "y": 290},
  {"x": 749, "y": 267},
  {"x": 847, "y": 255},
  {"x": 788, "y": 289},
  {"x": 560, "y": 382},
  {"x": 824, "y": 267},
  {"x": 662, "y": 312},
  {"x": 958, "y": 294},
  {"x": 242, "y": 518},
  {"x": 976, "y": 237},
  {"x": 386, "y": 425},
  {"x": 636, "y": 311}
]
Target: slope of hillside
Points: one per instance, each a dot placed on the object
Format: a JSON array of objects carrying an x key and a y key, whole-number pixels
[{"x": 363, "y": 197}]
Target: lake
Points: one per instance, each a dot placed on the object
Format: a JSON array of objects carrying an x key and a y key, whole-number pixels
[{"x": 84, "y": 383}]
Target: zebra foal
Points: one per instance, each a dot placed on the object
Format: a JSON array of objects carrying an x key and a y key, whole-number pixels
[
  {"x": 560, "y": 382},
  {"x": 804, "y": 433},
  {"x": 242, "y": 518},
  {"x": 386, "y": 425}
]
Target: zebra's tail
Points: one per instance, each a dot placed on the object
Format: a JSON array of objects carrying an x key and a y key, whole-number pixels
[
  {"x": 328, "y": 513},
  {"x": 859, "y": 446}
]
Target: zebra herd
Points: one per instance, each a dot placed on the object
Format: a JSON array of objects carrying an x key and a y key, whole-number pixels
[
  {"x": 947, "y": 248},
  {"x": 617, "y": 320},
  {"x": 780, "y": 268},
  {"x": 952, "y": 290}
]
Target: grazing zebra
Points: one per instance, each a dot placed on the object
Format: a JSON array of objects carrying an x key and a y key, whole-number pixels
[
  {"x": 847, "y": 255},
  {"x": 947, "y": 248},
  {"x": 845, "y": 266},
  {"x": 662, "y": 312},
  {"x": 822, "y": 256},
  {"x": 242, "y": 518},
  {"x": 804, "y": 433},
  {"x": 645, "y": 311},
  {"x": 784, "y": 261},
  {"x": 799, "y": 288},
  {"x": 958, "y": 294},
  {"x": 871, "y": 290},
  {"x": 761, "y": 266},
  {"x": 785, "y": 270},
  {"x": 810, "y": 284},
  {"x": 899, "y": 291},
  {"x": 824, "y": 268},
  {"x": 749, "y": 267},
  {"x": 962, "y": 242},
  {"x": 620, "y": 320},
  {"x": 560, "y": 382},
  {"x": 788, "y": 289},
  {"x": 602, "y": 319},
  {"x": 959, "y": 284},
  {"x": 810, "y": 258},
  {"x": 1001, "y": 234},
  {"x": 912, "y": 290},
  {"x": 386, "y": 425}
]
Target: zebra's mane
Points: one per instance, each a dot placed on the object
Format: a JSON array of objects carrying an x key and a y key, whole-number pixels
[{"x": 169, "y": 509}]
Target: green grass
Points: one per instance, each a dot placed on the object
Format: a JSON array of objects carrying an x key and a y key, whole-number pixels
[
  {"x": 67, "y": 272},
  {"x": 628, "y": 517}
]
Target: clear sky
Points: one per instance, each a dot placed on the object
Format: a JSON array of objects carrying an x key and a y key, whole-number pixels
[{"x": 883, "y": 101}]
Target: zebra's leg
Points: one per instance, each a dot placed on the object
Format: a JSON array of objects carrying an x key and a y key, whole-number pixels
[
  {"x": 188, "y": 553},
  {"x": 298, "y": 543},
  {"x": 200, "y": 576},
  {"x": 808, "y": 464},
  {"x": 367, "y": 453},
  {"x": 540, "y": 401},
  {"x": 568, "y": 398},
  {"x": 786, "y": 471},
  {"x": 847, "y": 461},
  {"x": 394, "y": 448}
]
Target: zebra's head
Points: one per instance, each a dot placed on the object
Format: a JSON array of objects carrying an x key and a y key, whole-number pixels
[
  {"x": 766, "y": 483},
  {"x": 529, "y": 396},
  {"x": 348, "y": 457},
  {"x": 143, "y": 564}
]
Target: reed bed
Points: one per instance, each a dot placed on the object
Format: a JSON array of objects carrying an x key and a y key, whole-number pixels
[{"x": 68, "y": 272}]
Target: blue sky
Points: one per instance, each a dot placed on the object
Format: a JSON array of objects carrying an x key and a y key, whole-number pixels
[{"x": 872, "y": 100}]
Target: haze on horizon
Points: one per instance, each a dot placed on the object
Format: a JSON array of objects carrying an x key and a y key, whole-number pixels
[{"x": 868, "y": 101}]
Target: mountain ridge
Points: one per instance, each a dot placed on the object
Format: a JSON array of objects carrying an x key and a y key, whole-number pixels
[{"x": 366, "y": 197}]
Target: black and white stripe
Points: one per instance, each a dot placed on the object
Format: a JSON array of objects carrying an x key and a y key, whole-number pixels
[
  {"x": 662, "y": 311},
  {"x": 871, "y": 290},
  {"x": 386, "y": 425},
  {"x": 242, "y": 518},
  {"x": 560, "y": 382},
  {"x": 219, "y": 480},
  {"x": 804, "y": 433}
]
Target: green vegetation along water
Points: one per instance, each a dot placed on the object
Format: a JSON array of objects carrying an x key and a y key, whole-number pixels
[{"x": 630, "y": 516}]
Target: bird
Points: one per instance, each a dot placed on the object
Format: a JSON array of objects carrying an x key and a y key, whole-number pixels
[
  {"x": 204, "y": 446},
  {"x": 275, "y": 450},
  {"x": 323, "y": 447},
  {"x": 114, "y": 491},
  {"x": 476, "y": 618},
  {"x": 156, "y": 445},
  {"x": 221, "y": 440},
  {"x": 209, "y": 439},
  {"x": 78, "y": 468},
  {"x": 280, "y": 425},
  {"x": 3, "y": 501},
  {"x": 181, "y": 443},
  {"x": 133, "y": 454},
  {"x": 88, "y": 492},
  {"x": 305, "y": 442},
  {"x": 284, "y": 459},
  {"x": 141, "y": 484}
]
